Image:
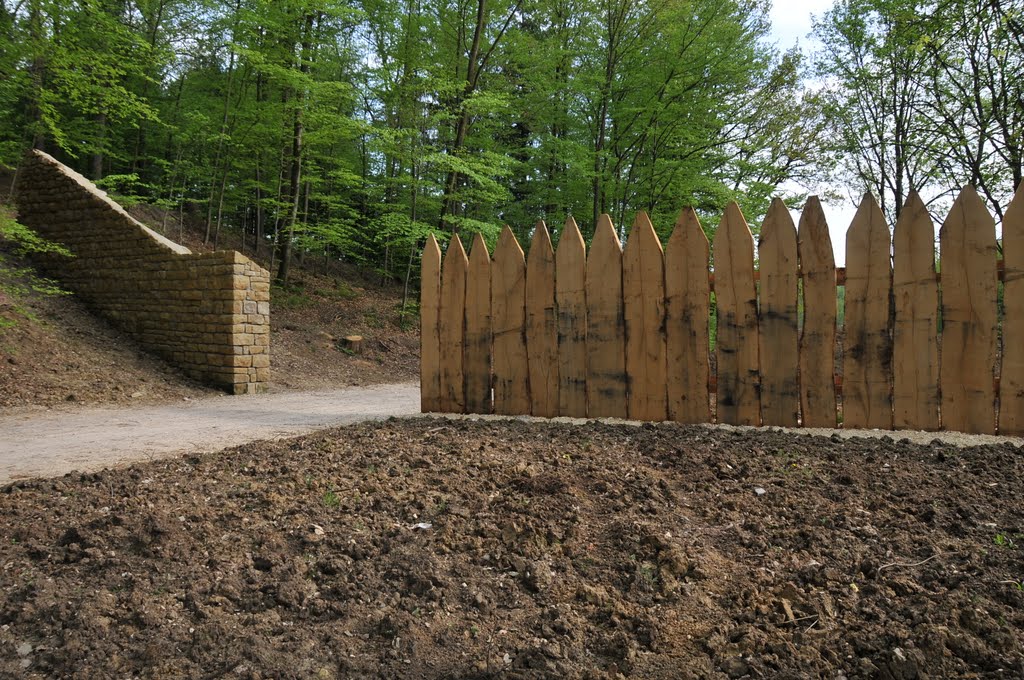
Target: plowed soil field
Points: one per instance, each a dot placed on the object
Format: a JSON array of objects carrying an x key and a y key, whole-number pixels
[{"x": 431, "y": 548}]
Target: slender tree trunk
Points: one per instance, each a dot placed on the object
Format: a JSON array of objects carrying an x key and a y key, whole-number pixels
[
  {"x": 220, "y": 204},
  {"x": 259, "y": 207},
  {"x": 97, "y": 154},
  {"x": 285, "y": 243},
  {"x": 305, "y": 218},
  {"x": 36, "y": 76},
  {"x": 611, "y": 59},
  {"x": 223, "y": 131}
]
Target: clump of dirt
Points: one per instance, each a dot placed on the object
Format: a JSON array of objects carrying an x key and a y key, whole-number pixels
[{"x": 433, "y": 548}]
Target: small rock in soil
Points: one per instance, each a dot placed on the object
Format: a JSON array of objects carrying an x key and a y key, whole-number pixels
[{"x": 735, "y": 667}]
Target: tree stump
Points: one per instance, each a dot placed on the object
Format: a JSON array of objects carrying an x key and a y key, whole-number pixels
[{"x": 352, "y": 344}]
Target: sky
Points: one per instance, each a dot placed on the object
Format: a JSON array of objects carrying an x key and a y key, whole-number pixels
[
  {"x": 791, "y": 19},
  {"x": 791, "y": 24}
]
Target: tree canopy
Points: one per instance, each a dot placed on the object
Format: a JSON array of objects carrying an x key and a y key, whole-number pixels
[{"x": 356, "y": 127}]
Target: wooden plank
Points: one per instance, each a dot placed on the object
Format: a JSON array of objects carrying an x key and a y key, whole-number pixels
[
  {"x": 478, "y": 329},
  {"x": 967, "y": 248},
  {"x": 571, "y": 302},
  {"x": 736, "y": 305},
  {"x": 643, "y": 294},
  {"x": 817, "y": 342},
  {"x": 867, "y": 349},
  {"x": 453, "y": 327},
  {"x": 606, "y": 332},
  {"x": 430, "y": 341},
  {"x": 687, "y": 299},
  {"x": 508, "y": 322},
  {"x": 777, "y": 319},
  {"x": 915, "y": 350},
  {"x": 542, "y": 324},
  {"x": 1011, "y": 385}
]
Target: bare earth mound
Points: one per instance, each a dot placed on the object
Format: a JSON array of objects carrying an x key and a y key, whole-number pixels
[
  {"x": 54, "y": 352},
  {"x": 458, "y": 549}
]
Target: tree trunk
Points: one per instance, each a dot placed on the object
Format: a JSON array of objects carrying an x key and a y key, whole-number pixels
[
  {"x": 97, "y": 154},
  {"x": 223, "y": 130},
  {"x": 285, "y": 241}
]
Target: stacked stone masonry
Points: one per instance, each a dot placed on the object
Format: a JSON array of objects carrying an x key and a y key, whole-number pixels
[{"x": 208, "y": 314}]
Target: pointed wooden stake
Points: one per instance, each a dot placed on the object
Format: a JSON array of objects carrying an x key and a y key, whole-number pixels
[
  {"x": 478, "y": 329},
  {"x": 736, "y": 305},
  {"x": 606, "y": 339},
  {"x": 452, "y": 332},
  {"x": 687, "y": 298},
  {"x": 430, "y": 342},
  {"x": 867, "y": 351},
  {"x": 967, "y": 247},
  {"x": 1011, "y": 383},
  {"x": 508, "y": 320},
  {"x": 779, "y": 356},
  {"x": 915, "y": 372},
  {"x": 570, "y": 282},
  {"x": 542, "y": 324},
  {"x": 817, "y": 343},
  {"x": 643, "y": 286}
]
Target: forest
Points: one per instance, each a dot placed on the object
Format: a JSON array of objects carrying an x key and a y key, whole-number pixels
[{"x": 353, "y": 128}]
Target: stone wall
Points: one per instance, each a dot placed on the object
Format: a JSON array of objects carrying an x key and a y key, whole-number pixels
[{"x": 208, "y": 314}]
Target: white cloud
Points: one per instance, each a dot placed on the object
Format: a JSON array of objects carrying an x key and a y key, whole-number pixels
[{"x": 791, "y": 20}]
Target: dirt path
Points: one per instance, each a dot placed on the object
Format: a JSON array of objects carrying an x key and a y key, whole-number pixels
[
  {"x": 34, "y": 444},
  {"x": 52, "y": 443}
]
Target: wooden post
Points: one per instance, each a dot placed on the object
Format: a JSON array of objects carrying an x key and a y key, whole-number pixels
[
  {"x": 570, "y": 296},
  {"x": 967, "y": 247},
  {"x": 915, "y": 360},
  {"x": 687, "y": 296},
  {"x": 508, "y": 319},
  {"x": 736, "y": 341},
  {"x": 430, "y": 342},
  {"x": 606, "y": 339},
  {"x": 542, "y": 324},
  {"x": 453, "y": 327},
  {"x": 817, "y": 343},
  {"x": 478, "y": 329},
  {"x": 1011, "y": 382},
  {"x": 643, "y": 287},
  {"x": 867, "y": 352},
  {"x": 777, "y": 318}
]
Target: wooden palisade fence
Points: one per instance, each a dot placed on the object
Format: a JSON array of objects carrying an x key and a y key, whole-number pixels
[{"x": 624, "y": 332}]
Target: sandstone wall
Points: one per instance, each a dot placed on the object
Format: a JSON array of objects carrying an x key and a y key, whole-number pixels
[{"x": 208, "y": 314}]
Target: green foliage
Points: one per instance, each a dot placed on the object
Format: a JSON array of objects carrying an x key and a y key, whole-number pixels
[
  {"x": 1007, "y": 540},
  {"x": 17, "y": 281},
  {"x": 353, "y": 130},
  {"x": 289, "y": 297},
  {"x": 24, "y": 240},
  {"x": 409, "y": 315},
  {"x": 128, "y": 190}
]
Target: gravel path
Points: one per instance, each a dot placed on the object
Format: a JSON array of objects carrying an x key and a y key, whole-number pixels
[
  {"x": 40, "y": 444},
  {"x": 51, "y": 443}
]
